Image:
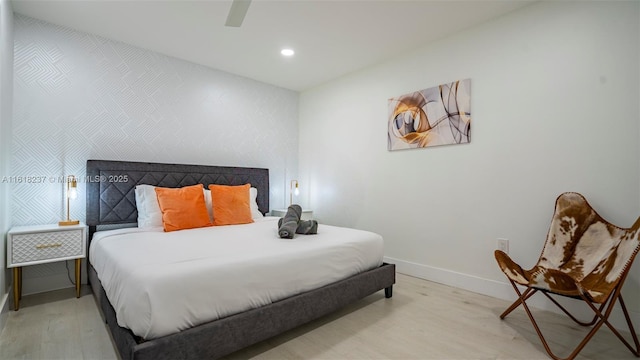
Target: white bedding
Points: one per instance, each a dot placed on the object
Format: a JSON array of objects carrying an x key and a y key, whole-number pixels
[{"x": 163, "y": 282}]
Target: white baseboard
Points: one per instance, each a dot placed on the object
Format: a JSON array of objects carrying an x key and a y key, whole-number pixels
[
  {"x": 42, "y": 284},
  {"x": 501, "y": 290},
  {"x": 4, "y": 310},
  {"x": 48, "y": 277}
]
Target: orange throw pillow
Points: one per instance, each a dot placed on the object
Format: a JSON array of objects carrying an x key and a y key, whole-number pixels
[
  {"x": 183, "y": 208},
  {"x": 231, "y": 204}
]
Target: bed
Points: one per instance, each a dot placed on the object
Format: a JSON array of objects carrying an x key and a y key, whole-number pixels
[{"x": 111, "y": 204}]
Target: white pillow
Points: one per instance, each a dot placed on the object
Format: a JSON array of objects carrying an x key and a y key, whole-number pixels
[
  {"x": 255, "y": 212},
  {"x": 149, "y": 214},
  {"x": 207, "y": 201}
]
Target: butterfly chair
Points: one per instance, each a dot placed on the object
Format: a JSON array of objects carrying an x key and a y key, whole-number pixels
[{"x": 586, "y": 258}]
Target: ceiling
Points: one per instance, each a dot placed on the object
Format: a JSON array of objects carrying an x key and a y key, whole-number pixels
[{"x": 331, "y": 38}]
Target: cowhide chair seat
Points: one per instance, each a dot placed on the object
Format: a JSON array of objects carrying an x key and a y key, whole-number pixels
[{"x": 584, "y": 257}]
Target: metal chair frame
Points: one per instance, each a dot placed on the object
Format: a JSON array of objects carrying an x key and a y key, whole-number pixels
[{"x": 598, "y": 320}]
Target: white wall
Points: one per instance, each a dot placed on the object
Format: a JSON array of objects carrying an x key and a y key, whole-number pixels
[
  {"x": 80, "y": 96},
  {"x": 554, "y": 103},
  {"x": 6, "y": 102}
]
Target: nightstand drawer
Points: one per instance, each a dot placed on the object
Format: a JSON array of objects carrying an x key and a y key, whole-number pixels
[{"x": 40, "y": 246}]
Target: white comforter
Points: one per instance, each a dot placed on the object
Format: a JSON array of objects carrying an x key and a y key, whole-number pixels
[{"x": 160, "y": 283}]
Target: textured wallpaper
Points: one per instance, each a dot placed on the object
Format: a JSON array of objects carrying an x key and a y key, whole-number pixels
[
  {"x": 79, "y": 96},
  {"x": 6, "y": 101}
]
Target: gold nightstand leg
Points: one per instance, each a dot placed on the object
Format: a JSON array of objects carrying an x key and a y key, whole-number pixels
[
  {"x": 20, "y": 282},
  {"x": 16, "y": 288},
  {"x": 78, "y": 276}
]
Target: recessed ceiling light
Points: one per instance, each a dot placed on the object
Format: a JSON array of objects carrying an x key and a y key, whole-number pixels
[{"x": 287, "y": 52}]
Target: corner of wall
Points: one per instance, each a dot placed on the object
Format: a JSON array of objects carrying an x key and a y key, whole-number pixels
[{"x": 6, "y": 110}]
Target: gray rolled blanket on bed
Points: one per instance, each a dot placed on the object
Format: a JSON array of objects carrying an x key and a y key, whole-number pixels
[
  {"x": 307, "y": 227},
  {"x": 289, "y": 223},
  {"x": 304, "y": 227}
]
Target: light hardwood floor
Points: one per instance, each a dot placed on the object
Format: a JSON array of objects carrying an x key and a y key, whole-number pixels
[{"x": 423, "y": 320}]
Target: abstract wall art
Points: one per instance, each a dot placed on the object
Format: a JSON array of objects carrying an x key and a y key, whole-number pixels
[{"x": 435, "y": 116}]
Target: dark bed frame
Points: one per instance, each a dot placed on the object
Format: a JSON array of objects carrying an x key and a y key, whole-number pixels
[{"x": 111, "y": 202}]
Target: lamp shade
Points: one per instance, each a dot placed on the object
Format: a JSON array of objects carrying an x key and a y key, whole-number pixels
[
  {"x": 72, "y": 193},
  {"x": 293, "y": 191}
]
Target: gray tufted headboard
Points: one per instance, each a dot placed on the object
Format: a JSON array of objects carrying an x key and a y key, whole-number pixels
[{"x": 111, "y": 184}]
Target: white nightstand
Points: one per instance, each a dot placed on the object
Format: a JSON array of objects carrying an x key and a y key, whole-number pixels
[
  {"x": 39, "y": 244},
  {"x": 306, "y": 214}
]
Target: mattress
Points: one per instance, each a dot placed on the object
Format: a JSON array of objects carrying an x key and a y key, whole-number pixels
[{"x": 160, "y": 283}]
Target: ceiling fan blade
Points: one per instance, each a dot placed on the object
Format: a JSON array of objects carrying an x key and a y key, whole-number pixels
[{"x": 237, "y": 12}]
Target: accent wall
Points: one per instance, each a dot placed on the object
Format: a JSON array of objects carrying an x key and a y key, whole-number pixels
[{"x": 80, "y": 96}]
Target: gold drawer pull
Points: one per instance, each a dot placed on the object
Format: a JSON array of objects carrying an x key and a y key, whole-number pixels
[{"x": 45, "y": 246}]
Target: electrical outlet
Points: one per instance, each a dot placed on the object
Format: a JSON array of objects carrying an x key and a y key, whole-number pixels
[{"x": 503, "y": 245}]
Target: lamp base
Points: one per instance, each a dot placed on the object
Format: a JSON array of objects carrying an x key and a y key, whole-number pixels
[{"x": 68, "y": 222}]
